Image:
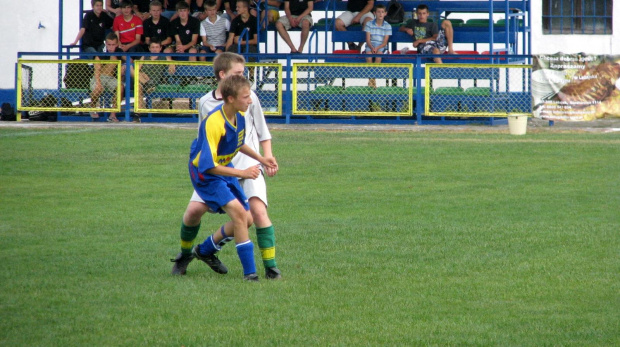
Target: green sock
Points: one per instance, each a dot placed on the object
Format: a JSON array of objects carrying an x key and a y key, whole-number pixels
[
  {"x": 267, "y": 245},
  {"x": 188, "y": 234}
]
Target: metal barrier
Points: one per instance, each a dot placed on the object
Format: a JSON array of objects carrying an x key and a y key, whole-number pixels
[{"x": 477, "y": 90}]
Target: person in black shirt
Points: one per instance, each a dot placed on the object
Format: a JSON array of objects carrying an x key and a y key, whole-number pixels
[
  {"x": 243, "y": 20},
  {"x": 157, "y": 27},
  {"x": 185, "y": 31},
  {"x": 105, "y": 75},
  {"x": 94, "y": 26}
]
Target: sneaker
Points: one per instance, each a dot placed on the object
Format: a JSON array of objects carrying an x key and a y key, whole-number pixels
[
  {"x": 214, "y": 263},
  {"x": 273, "y": 273},
  {"x": 251, "y": 278},
  {"x": 180, "y": 263}
]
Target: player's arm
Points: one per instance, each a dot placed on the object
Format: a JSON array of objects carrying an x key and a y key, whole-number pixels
[
  {"x": 268, "y": 162},
  {"x": 250, "y": 173}
]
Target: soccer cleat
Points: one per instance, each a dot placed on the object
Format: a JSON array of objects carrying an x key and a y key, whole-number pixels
[
  {"x": 273, "y": 273},
  {"x": 180, "y": 263},
  {"x": 214, "y": 263},
  {"x": 251, "y": 278}
]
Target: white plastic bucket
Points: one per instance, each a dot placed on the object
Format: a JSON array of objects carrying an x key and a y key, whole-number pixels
[{"x": 517, "y": 123}]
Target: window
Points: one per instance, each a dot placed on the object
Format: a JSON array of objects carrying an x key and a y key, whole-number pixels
[{"x": 589, "y": 17}]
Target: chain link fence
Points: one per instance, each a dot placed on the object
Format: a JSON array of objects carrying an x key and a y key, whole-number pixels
[
  {"x": 480, "y": 90},
  {"x": 328, "y": 89},
  {"x": 158, "y": 86},
  {"x": 68, "y": 85}
]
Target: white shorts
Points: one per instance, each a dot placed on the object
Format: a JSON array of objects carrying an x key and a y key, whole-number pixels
[
  {"x": 347, "y": 17},
  {"x": 252, "y": 188}
]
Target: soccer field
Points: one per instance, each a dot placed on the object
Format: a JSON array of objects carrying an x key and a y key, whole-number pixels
[{"x": 383, "y": 238}]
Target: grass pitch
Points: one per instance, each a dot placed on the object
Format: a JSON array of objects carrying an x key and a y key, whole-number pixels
[{"x": 383, "y": 238}]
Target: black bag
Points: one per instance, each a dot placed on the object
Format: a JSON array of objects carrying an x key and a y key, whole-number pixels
[
  {"x": 395, "y": 12},
  {"x": 48, "y": 101},
  {"x": 8, "y": 113},
  {"x": 78, "y": 76}
]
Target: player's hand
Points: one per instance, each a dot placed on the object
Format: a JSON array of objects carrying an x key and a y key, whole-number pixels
[
  {"x": 271, "y": 166},
  {"x": 252, "y": 172}
]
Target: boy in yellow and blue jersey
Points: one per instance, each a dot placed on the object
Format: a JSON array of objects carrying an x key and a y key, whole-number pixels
[{"x": 220, "y": 136}]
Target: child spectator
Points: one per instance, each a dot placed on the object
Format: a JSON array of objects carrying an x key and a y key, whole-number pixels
[
  {"x": 128, "y": 28},
  {"x": 152, "y": 74},
  {"x": 298, "y": 15},
  {"x": 220, "y": 137},
  {"x": 243, "y": 20},
  {"x": 170, "y": 9},
  {"x": 104, "y": 77},
  {"x": 427, "y": 38},
  {"x": 213, "y": 30},
  {"x": 358, "y": 12},
  {"x": 378, "y": 33},
  {"x": 231, "y": 12},
  {"x": 94, "y": 26},
  {"x": 157, "y": 27},
  {"x": 185, "y": 30}
]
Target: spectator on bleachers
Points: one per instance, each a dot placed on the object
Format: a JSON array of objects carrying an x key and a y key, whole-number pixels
[
  {"x": 231, "y": 12},
  {"x": 170, "y": 8},
  {"x": 378, "y": 33},
  {"x": 104, "y": 77},
  {"x": 157, "y": 27},
  {"x": 151, "y": 74},
  {"x": 93, "y": 29},
  {"x": 113, "y": 7},
  {"x": 185, "y": 31},
  {"x": 298, "y": 15},
  {"x": 243, "y": 20},
  {"x": 141, "y": 9},
  {"x": 358, "y": 12},
  {"x": 213, "y": 30},
  {"x": 273, "y": 10},
  {"x": 128, "y": 28},
  {"x": 427, "y": 37}
]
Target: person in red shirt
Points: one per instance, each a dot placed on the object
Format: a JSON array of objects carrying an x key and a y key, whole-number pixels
[{"x": 128, "y": 28}]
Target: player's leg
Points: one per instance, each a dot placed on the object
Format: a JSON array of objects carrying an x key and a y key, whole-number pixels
[
  {"x": 256, "y": 190},
  {"x": 189, "y": 230},
  {"x": 245, "y": 248}
]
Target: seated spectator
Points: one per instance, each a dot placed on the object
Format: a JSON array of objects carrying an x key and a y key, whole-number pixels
[
  {"x": 185, "y": 30},
  {"x": 230, "y": 9},
  {"x": 141, "y": 9},
  {"x": 243, "y": 20},
  {"x": 358, "y": 12},
  {"x": 113, "y": 7},
  {"x": 427, "y": 37},
  {"x": 157, "y": 27},
  {"x": 273, "y": 11},
  {"x": 298, "y": 15},
  {"x": 378, "y": 34},
  {"x": 94, "y": 26},
  {"x": 170, "y": 9},
  {"x": 213, "y": 30},
  {"x": 105, "y": 76},
  {"x": 152, "y": 75},
  {"x": 128, "y": 28}
]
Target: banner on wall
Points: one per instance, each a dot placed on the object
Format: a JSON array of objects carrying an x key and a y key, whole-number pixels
[{"x": 575, "y": 87}]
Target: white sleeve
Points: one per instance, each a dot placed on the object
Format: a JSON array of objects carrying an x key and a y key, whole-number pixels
[{"x": 259, "y": 119}]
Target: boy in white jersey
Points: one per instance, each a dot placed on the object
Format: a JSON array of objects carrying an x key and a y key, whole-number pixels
[{"x": 256, "y": 135}]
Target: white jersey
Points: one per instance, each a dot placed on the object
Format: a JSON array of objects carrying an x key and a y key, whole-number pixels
[{"x": 255, "y": 126}]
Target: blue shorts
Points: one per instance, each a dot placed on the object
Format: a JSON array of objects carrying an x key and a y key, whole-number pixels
[{"x": 217, "y": 191}]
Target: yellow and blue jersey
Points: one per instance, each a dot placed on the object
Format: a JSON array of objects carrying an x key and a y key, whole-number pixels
[{"x": 217, "y": 143}]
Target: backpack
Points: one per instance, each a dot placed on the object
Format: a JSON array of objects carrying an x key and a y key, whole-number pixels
[
  {"x": 8, "y": 113},
  {"x": 395, "y": 12}
]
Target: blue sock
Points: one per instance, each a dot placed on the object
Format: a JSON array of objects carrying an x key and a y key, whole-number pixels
[
  {"x": 245, "y": 251},
  {"x": 208, "y": 246}
]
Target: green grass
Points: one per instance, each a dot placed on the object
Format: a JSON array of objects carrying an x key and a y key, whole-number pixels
[{"x": 384, "y": 238}]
